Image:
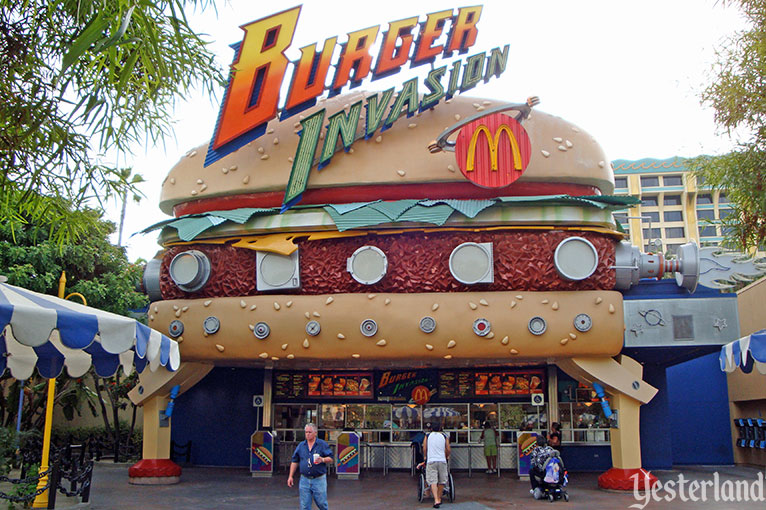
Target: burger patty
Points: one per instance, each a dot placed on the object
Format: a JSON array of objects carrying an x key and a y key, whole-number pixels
[{"x": 417, "y": 262}]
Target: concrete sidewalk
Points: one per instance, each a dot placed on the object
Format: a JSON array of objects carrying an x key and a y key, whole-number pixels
[{"x": 234, "y": 488}]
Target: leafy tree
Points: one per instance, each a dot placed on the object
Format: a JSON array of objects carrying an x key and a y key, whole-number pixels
[
  {"x": 99, "y": 271},
  {"x": 736, "y": 92},
  {"x": 82, "y": 77}
]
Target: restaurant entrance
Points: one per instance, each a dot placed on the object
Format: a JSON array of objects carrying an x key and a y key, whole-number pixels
[{"x": 386, "y": 408}]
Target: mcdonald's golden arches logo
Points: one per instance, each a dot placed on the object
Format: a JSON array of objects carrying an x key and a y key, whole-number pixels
[{"x": 493, "y": 151}]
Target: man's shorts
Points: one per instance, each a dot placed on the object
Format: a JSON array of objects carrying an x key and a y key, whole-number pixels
[
  {"x": 436, "y": 473},
  {"x": 490, "y": 450}
]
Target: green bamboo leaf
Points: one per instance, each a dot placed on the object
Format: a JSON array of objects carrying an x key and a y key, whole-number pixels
[
  {"x": 127, "y": 71},
  {"x": 89, "y": 35},
  {"x": 115, "y": 37}
]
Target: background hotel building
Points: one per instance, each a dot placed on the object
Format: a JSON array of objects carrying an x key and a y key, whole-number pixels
[{"x": 675, "y": 207}]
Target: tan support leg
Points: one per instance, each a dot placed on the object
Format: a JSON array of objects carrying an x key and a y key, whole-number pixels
[
  {"x": 622, "y": 380},
  {"x": 155, "y": 468},
  {"x": 626, "y": 441},
  {"x": 152, "y": 392},
  {"x": 156, "y": 438}
]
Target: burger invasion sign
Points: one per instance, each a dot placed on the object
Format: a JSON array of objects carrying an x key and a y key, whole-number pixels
[{"x": 260, "y": 67}]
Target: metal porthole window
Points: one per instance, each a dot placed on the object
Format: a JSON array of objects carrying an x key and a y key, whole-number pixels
[
  {"x": 190, "y": 270},
  {"x": 367, "y": 265},
  {"x": 471, "y": 263},
  {"x": 575, "y": 258},
  {"x": 277, "y": 272}
]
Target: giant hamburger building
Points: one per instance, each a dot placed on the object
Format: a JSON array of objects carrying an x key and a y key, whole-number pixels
[{"x": 375, "y": 261}]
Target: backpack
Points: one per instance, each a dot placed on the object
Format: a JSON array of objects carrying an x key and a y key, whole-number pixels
[{"x": 553, "y": 470}]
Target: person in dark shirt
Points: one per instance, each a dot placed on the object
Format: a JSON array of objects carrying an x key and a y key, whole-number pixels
[
  {"x": 554, "y": 438},
  {"x": 312, "y": 456}
]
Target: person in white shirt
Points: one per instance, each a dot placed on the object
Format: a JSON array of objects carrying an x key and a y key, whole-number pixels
[{"x": 436, "y": 451}]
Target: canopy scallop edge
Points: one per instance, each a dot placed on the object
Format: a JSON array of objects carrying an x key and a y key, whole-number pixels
[
  {"x": 746, "y": 352},
  {"x": 37, "y": 330}
]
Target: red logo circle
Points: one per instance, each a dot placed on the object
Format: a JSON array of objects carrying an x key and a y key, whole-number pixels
[
  {"x": 493, "y": 151},
  {"x": 421, "y": 395}
]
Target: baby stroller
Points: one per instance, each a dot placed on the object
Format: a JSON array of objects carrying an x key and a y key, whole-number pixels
[
  {"x": 425, "y": 490},
  {"x": 555, "y": 479}
]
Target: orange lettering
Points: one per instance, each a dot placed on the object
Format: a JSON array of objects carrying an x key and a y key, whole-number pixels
[
  {"x": 355, "y": 56},
  {"x": 252, "y": 96},
  {"x": 464, "y": 31},
  {"x": 388, "y": 63},
  {"x": 429, "y": 32},
  {"x": 300, "y": 89}
]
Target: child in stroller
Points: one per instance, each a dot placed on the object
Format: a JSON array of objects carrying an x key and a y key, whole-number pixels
[{"x": 547, "y": 474}]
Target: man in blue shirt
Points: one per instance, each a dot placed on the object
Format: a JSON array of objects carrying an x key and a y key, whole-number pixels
[{"x": 312, "y": 456}]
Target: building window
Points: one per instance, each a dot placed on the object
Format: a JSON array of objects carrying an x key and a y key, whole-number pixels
[
  {"x": 620, "y": 182},
  {"x": 673, "y": 248},
  {"x": 706, "y": 214},
  {"x": 672, "y": 200},
  {"x": 724, "y": 213},
  {"x": 672, "y": 180},
  {"x": 707, "y": 231},
  {"x": 650, "y": 182},
  {"x": 674, "y": 232},
  {"x": 651, "y": 233},
  {"x": 649, "y": 201},
  {"x": 723, "y": 199},
  {"x": 649, "y": 217},
  {"x": 700, "y": 180},
  {"x": 704, "y": 199},
  {"x": 673, "y": 216},
  {"x": 622, "y": 219}
]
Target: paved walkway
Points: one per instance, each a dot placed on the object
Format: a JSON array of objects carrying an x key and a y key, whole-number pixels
[{"x": 234, "y": 488}]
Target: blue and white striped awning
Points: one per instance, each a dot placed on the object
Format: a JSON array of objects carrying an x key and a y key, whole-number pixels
[
  {"x": 746, "y": 352},
  {"x": 37, "y": 330}
]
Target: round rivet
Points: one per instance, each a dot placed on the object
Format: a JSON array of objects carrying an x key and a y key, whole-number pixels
[
  {"x": 261, "y": 330},
  {"x": 636, "y": 385},
  {"x": 176, "y": 329},
  {"x": 583, "y": 322},
  {"x": 313, "y": 328},
  {"x": 481, "y": 327},
  {"x": 427, "y": 324},
  {"x": 369, "y": 327},
  {"x": 537, "y": 325},
  {"x": 211, "y": 325}
]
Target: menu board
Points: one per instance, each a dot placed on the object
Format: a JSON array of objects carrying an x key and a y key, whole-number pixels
[
  {"x": 508, "y": 383},
  {"x": 462, "y": 384},
  {"x": 289, "y": 385},
  {"x": 455, "y": 384},
  {"x": 358, "y": 384}
]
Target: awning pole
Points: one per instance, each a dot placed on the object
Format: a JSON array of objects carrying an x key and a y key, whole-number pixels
[
  {"x": 21, "y": 405},
  {"x": 41, "y": 501}
]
